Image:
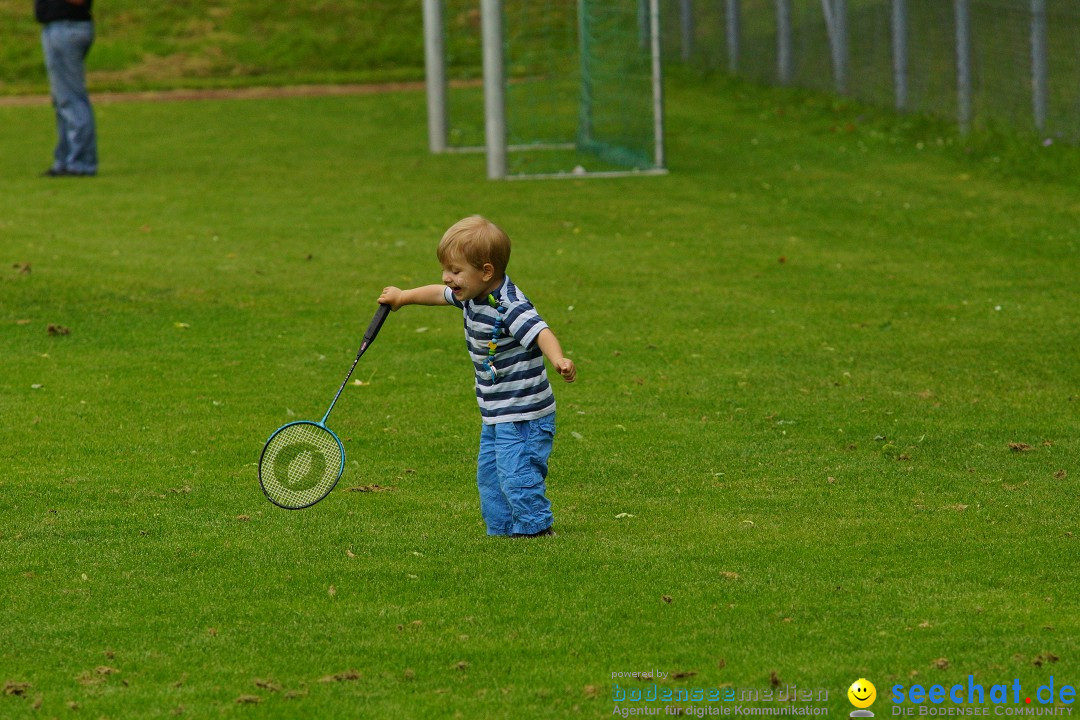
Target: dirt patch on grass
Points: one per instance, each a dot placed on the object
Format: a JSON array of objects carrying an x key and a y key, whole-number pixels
[{"x": 226, "y": 93}]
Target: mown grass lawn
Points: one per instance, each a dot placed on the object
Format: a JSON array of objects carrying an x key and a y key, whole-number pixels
[{"x": 825, "y": 425}]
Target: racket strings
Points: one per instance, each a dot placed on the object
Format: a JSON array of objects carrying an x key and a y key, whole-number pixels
[{"x": 300, "y": 465}]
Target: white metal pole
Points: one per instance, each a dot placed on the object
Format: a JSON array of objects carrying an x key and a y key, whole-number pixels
[
  {"x": 963, "y": 64},
  {"x": 835, "y": 12},
  {"x": 783, "y": 41},
  {"x": 686, "y": 28},
  {"x": 658, "y": 85},
  {"x": 840, "y": 51},
  {"x": 494, "y": 88},
  {"x": 1039, "y": 73},
  {"x": 734, "y": 32},
  {"x": 435, "y": 72},
  {"x": 900, "y": 55}
]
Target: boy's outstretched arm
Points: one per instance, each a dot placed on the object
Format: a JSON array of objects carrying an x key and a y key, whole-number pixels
[
  {"x": 549, "y": 345},
  {"x": 426, "y": 295}
]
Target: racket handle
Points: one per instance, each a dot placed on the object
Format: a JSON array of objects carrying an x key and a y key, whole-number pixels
[{"x": 376, "y": 324}]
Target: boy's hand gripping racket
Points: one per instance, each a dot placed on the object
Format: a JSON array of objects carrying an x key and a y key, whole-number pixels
[{"x": 302, "y": 461}]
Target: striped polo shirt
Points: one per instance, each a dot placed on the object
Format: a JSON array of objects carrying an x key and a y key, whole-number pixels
[{"x": 522, "y": 391}]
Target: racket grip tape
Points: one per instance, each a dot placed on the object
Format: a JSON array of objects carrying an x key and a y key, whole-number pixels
[{"x": 376, "y": 324}]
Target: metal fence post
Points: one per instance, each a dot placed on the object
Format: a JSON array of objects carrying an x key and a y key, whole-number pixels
[
  {"x": 1039, "y": 72},
  {"x": 686, "y": 28},
  {"x": 836, "y": 23},
  {"x": 783, "y": 42},
  {"x": 494, "y": 89},
  {"x": 734, "y": 32},
  {"x": 963, "y": 64},
  {"x": 659, "y": 157},
  {"x": 899, "y": 54},
  {"x": 435, "y": 74}
]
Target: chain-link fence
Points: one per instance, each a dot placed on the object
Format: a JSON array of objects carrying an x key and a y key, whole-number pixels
[{"x": 980, "y": 62}]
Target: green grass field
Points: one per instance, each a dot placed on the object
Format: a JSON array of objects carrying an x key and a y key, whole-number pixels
[{"x": 803, "y": 358}]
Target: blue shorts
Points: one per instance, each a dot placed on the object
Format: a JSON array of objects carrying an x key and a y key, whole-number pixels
[{"x": 510, "y": 474}]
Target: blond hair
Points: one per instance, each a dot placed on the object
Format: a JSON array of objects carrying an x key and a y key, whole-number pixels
[{"x": 476, "y": 240}]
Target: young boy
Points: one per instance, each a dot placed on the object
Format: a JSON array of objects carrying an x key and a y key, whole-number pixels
[{"x": 507, "y": 341}]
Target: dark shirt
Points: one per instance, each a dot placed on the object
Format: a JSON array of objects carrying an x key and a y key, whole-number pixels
[{"x": 47, "y": 11}]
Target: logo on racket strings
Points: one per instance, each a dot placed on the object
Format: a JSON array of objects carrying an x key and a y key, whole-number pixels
[{"x": 300, "y": 466}]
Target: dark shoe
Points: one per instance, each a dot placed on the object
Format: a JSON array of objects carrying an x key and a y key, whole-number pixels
[
  {"x": 542, "y": 533},
  {"x": 58, "y": 172}
]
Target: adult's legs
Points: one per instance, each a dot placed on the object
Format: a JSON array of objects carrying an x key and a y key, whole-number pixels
[{"x": 66, "y": 44}]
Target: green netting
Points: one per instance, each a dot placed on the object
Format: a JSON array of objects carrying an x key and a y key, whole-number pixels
[
  {"x": 617, "y": 120},
  {"x": 579, "y": 95},
  {"x": 464, "y": 71},
  {"x": 580, "y": 91}
]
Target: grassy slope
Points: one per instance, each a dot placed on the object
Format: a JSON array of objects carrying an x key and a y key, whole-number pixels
[
  {"x": 720, "y": 390},
  {"x": 239, "y": 42}
]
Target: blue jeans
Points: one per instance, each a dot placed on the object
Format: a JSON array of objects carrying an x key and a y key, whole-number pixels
[
  {"x": 66, "y": 43},
  {"x": 510, "y": 474}
]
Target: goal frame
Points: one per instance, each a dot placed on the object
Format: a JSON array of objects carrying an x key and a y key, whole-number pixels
[{"x": 495, "y": 146}]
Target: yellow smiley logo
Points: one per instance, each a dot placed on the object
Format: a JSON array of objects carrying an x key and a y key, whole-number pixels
[{"x": 862, "y": 693}]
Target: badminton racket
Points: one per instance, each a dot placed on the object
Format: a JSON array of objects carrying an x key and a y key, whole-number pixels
[{"x": 303, "y": 460}]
